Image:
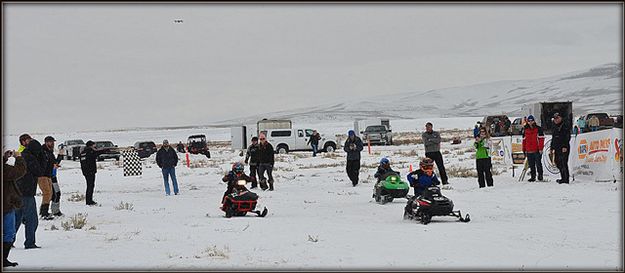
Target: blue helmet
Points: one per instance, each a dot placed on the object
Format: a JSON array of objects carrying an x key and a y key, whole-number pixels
[
  {"x": 384, "y": 161},
  {"x": 530, "y": 117},
  {"x": 351, "y": 133},
  {"x": 238, "y": 167}
]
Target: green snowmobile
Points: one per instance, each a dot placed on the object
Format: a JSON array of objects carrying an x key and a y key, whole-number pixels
[{"x": 389, "y": 187}]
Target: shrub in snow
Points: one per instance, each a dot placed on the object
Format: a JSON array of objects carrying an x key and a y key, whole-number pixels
[
  {"x": 76, "y": 197},
  {"x": 214, "y": 252},
  {"x": 313, "y": 239},
  {"x": 124, "y": 206},
  {"x": 78, "y": 221}
]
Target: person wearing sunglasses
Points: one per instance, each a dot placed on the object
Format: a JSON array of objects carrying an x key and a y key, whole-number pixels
[
  {"x": 423, "y": 177},
  {"x": 533, "y": 144},
  {"x": 482, "y": 159}
]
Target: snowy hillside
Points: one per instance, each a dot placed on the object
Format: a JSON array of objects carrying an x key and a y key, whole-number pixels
[{"x": 595, "y": 89}]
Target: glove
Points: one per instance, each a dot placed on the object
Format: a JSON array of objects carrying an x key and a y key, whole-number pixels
[{"x": 246, "y": 161}]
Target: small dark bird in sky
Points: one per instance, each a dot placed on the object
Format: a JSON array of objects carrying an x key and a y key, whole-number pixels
[{"x": 178, "y": 21}]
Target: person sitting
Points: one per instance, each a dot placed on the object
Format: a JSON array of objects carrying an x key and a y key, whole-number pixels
[
  {"x": 232, "y": 178},
  {"x": 384, "y": 169},
  {"x": 424, "y": 177}
]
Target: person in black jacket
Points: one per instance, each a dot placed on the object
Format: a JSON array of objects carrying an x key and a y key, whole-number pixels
[
  {"x": 27, "y": 214},
  {"x": 88, "y": 166},
  {"x": 353, "y": 146},
  {"x": 45, "y": 181},
  {"x": 180, "y": 147},
  {"x": 167, "y": 159},
  {"x": 13, "y": 168},
  {"x": 265, "y": 162},
  {"x": 314, "y": 142},
  {"x": 252, "y": 157},
  {"x": 561, "y": 147}
]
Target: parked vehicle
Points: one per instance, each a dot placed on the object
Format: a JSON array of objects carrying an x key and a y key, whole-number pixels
[
  {"x": 377, "y": 134},
  {"x": 543, "y": 113},
  {"x": 196, "y": 144},
  {"x": 267, "y": 124},
  {"x": 360, "y": 125},
  {"x": 111, "y": 152},
  {"x": 491, "y": 123},
  {"x": 605, "y": 121},
  {"x": 516, "y": 128},
  {"x": 286, "y": 140},
  {"x": 618, "y": 121},
  {"x": 72, "y": 148},
  {"x": 145, "y": 148}
]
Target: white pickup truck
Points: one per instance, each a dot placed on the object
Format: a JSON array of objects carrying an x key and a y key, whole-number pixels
[
  {"x": 285, "y": 140},
  {"x": 72, "y": 148}
]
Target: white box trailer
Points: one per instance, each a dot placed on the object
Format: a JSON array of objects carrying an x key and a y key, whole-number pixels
[{"x": 361, "y": 124}]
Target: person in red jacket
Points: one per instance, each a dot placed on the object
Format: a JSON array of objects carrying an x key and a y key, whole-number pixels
[{"x": 533, "y": 143}]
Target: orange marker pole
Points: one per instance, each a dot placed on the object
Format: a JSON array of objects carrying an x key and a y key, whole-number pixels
[
  {"x": 410, "y": 167},
  {"x": 188, "y": 161},
  {"x": 369, "y": 145}
]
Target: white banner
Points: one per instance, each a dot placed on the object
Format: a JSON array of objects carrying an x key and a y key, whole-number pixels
[{"x": 596, "y": 154}]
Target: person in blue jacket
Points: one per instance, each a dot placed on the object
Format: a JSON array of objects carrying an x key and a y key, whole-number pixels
[
  {"x": 424, "y": 177},
  {"x": 384, "y": 169}
]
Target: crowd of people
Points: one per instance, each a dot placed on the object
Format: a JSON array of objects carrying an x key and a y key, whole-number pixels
[{"x": 34, "y": 165}]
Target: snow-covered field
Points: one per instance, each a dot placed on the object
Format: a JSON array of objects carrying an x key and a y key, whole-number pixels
[{"x": 317, "y": 220}]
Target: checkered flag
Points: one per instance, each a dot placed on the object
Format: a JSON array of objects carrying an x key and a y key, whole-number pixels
[{"x": 131, "y": 163}]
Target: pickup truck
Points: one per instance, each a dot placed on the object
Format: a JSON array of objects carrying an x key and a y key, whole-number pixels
[
  {"x": 72, "y": 148},
  {"x": 377, "y": 134},
  {"x": 111, "y": 151},
  {"x": 285, "y": 140},
  {"x": 605, "y": 121}
]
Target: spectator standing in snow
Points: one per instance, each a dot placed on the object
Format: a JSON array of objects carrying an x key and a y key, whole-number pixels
[
  {"x": 24, "y": 140},
  {"x": 88, "y": 165},
  {"x": 353, "y": 146},
  {"x": 167, "y": 159},
  {"x": 13, "y": 168},
  {"x": 482, "y": 159},
  {"x": 265, "y": 162},
  {"x": 581, "y": 124},
  {"x": 476, "y": 131},
  {"x": 45, "y": 181},
  {"x": 432, "y": 143},
  {"x": 251, "y": 158},
  {"x": 27, "y": 185},
  {"x": 560, "y": 146},
  {"x": 55, "y": 206},
  {"x": 180, "y": 147},
  {"x": 533, "y": 144},
  {"x": 314, "y": 142}
]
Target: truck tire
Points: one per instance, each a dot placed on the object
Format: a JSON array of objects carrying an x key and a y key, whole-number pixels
[
  {"x": 329, "y": 147},
  {"x": 282, "y": 149}
]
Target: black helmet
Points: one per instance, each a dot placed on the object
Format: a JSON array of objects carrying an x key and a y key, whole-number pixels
[{"x": 426, "y": 161}]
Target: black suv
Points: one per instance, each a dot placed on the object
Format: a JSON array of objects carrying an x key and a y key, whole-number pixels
[
  {"x": 145, "y": 148},
  {"x": 111, "y": 152}
]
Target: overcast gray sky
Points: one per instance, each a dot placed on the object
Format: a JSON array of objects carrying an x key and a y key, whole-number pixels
[{"x": 100, "y": 66}]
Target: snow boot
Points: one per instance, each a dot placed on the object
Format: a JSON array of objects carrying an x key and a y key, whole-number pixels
[
  {"x": 55, "y": 208},
  {"x": 271, "y": 185},
  {"x": 43, "y": 212},
  {"x": 263, "y": 184},
  {"x": 540, "y": 178},
  {"x": 6, "y": 248},
  {"x": 532, "y": 179}
]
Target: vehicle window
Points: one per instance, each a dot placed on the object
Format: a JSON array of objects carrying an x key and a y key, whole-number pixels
[
  {"x": 308, "y": 132},
  {"x": 300, "y": 133},
  {"x": 281, "y": 133},
  {"x": 376, "y": 129},
  {"x": 75, "y": 142}
]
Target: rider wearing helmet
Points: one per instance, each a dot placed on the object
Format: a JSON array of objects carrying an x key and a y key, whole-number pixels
[
  {"x": 384, "y": 169},
  {"x": 232, "y": 178},
  {"x": 423, "y": 177}
]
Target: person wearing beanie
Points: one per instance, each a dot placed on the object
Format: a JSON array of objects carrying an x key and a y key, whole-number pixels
[
  {"x": 353, "y": 146},
  {"x": 533, "y": 143}
]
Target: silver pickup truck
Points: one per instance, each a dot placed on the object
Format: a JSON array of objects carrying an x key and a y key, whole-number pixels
[{"x": 72, "y": 148}]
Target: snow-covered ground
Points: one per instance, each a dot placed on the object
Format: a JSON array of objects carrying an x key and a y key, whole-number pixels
[{"x": 317, "y": 220}]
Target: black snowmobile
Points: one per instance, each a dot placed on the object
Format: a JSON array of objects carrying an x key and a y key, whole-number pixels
[
  {"x": 241, "y": 201},
  {"x": 431, "y": 203}
]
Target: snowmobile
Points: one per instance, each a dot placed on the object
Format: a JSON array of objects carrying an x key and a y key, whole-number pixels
[
  {"x": 241, "y": 201},
  {"x": 389, "y": 188},
  {"x": 431, "y": 203}
]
